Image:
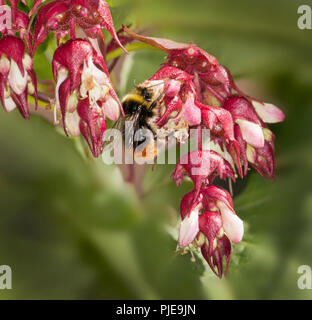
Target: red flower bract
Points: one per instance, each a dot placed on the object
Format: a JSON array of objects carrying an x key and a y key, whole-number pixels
[
  {"x": 235, "y": 120},
  {"x": 83, "y": 86},
  {"x": 191, "y": 90},
  {"x": 202, "y": 166},
  {"x": 17, "y": 77},
  {"x": 209, "y": 221},
  {"x": 202, "y": 93},
  {"x": 61, "y": 16}
]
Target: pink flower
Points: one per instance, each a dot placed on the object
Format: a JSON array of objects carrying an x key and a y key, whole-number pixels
[
  {"x": 202, "y": 166},
  {"x": 222, "y": 248},
  {"x": 179, "y": 96},
  {"x": 17, "y": 77},
  {"x": 255, "y": 140},
  {"x": 268, "y": 113},
  {"x": 189, "y": 228},
  {"x": 262, "y": 159},
  {"x": 83, "y": 85},
  {"x": 18, "y": 24},
  {"x": 210, "y": 222},
  {"x": 62, "y": 16},
  {"x": 235, "y": 120},
  {"x": 210, "y": 76},
  {"x": 202, "y": 92}
]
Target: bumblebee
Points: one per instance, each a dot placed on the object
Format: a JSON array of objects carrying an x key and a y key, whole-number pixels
[{"x": 141, "y": 107}]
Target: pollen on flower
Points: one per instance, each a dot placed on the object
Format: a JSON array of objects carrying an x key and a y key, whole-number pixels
[
  {"x": 60, "y": 17},
  {"x": 88, "y": 83}
]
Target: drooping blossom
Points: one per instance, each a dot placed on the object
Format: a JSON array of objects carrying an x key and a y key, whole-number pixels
[
  {"x": 17, "y": 78},
  {"x": 195, "y": 92},
  {"x": 203, "y": 93},
  {"x": 210, "y": 222},
  {"x": 64, "y": 17},
  {"x": 17, "y": 24},
  {"x": 202, "y": 166},
  {"x": 179, "y": 96},
  {"x": 222, "y": 105},
  {"x": 84, "y": 93}
]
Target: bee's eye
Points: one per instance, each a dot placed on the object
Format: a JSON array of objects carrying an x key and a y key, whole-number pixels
[{"x": 146, "y": 95}]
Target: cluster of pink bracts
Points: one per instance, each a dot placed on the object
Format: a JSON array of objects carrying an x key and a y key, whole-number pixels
[
  {"x": 197, "y": 89},
  {"x": 84, "y": 93},
  {"x": 204, "y": 93}
]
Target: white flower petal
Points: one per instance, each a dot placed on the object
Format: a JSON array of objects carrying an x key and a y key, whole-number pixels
[
  {"x": 94, "y": 82},
  {"x": 189, "y": 228},
  {"x": 89, "y": 69},
  {"x": 9, "y": 104},
  {"x": 111, "y": 108},
  {"x": 252, "y": 133},
  {"x": 269, "y": 113},
  {"x": 232, "y": 224},
  {"x": 4, "y": 65},
  {"x": 17, "y": 81},
  {"x": 72, "y": 123},
  {"x": 61, "y": 77},
  {"x": 27, "y": 62}
]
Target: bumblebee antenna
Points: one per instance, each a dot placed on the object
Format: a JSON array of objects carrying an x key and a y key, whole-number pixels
[
  {"x": 157, "y": 84},
  {"x": 153, "y": 85},
  {"x": 134, "y": 83}
]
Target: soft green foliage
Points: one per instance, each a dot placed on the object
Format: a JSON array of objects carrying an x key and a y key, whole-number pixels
[{"x": 70, "y": 227}]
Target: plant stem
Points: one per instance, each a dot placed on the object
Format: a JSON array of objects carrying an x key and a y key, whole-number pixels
[{"x": 130, "y": 47}]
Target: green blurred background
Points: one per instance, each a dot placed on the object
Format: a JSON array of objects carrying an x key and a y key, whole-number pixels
[{"x": 71, "y": 229}]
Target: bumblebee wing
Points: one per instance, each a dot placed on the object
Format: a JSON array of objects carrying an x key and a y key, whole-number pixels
[
  {"x": 129, "y": 131},
  {"x": 118, "y": 125}
]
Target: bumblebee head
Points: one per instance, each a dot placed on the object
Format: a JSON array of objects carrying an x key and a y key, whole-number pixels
[{"x": 150, "y": 90}]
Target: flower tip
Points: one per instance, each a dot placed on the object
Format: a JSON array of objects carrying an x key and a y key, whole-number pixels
[
  {"x": 18, "y": 81},
  {"x": 111, "y": 108},
  {"x": 232, "y": 224},
  {"x": 269, "y": 113},
  {"x": 189, "y": 228},
  {"x": 251, "y": 132},
  {"x": 191, "y": 113},
  {"x": 237, "y": 231}
]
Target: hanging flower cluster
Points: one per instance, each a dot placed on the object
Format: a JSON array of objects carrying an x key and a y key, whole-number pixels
[
  {"x": 63, "y": 17},
  {"x": 84, "y": 92},
  {"x": 202, "y": 92},
  {"x": 197, "y": 92},
  {"x": 84, "y": 95},
  {"x": 17, "y": 77}
]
